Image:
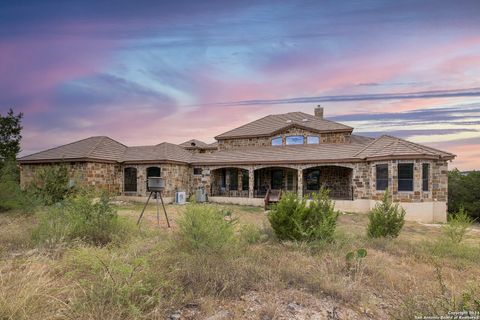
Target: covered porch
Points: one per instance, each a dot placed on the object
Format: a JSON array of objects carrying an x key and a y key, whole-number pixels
[{"x": 257, "y": 182}]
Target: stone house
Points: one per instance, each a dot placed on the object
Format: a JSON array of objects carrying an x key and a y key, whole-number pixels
[{"x": 295, "y": 152}]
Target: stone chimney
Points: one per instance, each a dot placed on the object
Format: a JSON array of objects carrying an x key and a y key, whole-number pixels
[{"x": 319, "y": 112}]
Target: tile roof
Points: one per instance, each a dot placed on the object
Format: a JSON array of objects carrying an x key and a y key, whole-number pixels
[
  {"x": 163, "y": 152},
  {"x": 388, "y": 146},
  {"x": 283, "y": 154},
  {"x": 355, "y": 138},
  {"x": 359, "y": 149},
  {"x": 197, "y": 144},
  {"x": 274, "y": 123},
  {"x": 99, "y": 148}
]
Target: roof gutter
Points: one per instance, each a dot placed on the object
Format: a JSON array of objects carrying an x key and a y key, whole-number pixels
[{"x": 40, "y": 161}]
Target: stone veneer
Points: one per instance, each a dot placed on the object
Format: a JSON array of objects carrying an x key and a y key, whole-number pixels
[
  {"x": 103, "y": 176},
  {"x": 177, "y": 178},
  {"x": 180, "y": 177},
  {"x": 330, "y": 137}
]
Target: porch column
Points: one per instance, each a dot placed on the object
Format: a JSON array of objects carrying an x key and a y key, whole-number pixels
[
  {"x": 300, "y": 183},
  {"x": 240, "y": 180},
  {"x": 250, "y": 182},
  {"x": 228, "y": 173}
]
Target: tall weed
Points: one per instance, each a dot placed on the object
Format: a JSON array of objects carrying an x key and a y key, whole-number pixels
[
  {"x": 457, "y": 226},
  {"x": 205, "y": 228}
]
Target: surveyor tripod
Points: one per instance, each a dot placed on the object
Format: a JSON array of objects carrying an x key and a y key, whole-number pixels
[{"x": 158, "y": 194}]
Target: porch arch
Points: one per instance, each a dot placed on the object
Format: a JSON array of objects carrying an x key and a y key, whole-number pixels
[
  {"x": 230, "y": 181},
  {"x": 337, "y": 179},
  {"x": 281, "y": 177}
]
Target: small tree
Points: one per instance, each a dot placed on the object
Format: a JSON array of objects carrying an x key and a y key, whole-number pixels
[
  {"x": 10, "y": 135},
  {"x": 11, "y": 197},
  {"x": 293, "y": 219},
  {"x": 51, "y": 184},
  {"x": 386, "y": 219},
  {"x": 464, "y": 191},
  {"x": 457, "y": 226}
]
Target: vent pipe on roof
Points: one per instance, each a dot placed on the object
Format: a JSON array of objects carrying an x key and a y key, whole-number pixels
[{"x": 319, "y": 112}]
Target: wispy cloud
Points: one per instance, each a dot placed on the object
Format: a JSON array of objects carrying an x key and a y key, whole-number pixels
[{"x": 470, "y": 92}]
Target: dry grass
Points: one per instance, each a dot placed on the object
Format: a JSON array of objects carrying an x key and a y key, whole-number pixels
[{"x": 151, "y": 276}]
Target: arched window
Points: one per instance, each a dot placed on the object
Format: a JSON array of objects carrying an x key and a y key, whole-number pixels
[
  {"x": 130, "y": 179},
  {"x": 152, "y": 172}
]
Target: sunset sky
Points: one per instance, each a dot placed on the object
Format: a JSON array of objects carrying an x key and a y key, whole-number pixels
[{"x": 144, "y": 72}]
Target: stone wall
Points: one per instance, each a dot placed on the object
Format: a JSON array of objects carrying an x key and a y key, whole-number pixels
[
  {"x": 180, "y": 177},
  {"x": 361, "y": 180},
  {"x": 177, "y": 178},
  {"x": 103, "y": 176},
  {"x": 332, "y": 137},
  {"x": 437, "y": 181}
]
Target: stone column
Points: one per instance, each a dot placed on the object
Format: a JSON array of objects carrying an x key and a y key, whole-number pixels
[
  {"x": 239, "y": 179},
  {"x": 251, "y": 182},
  {"x": 300, "y": 182},
  {"x": 227, "y": 179}
]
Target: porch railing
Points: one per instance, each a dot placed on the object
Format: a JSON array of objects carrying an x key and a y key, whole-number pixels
[
  {"x": 223, "y": 192},
  {"x": 261, "y": 193},
  {"x": 335, "y": 194}
]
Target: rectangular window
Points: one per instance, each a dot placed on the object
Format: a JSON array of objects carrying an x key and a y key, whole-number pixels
[
  {"x": 197, "y": 171},
  {"x": 425, "y": 174},
  {"x": 313, "y": 140},
  {"x": 277, "y": 141},
  {"x": 405, "y": 177},
  {"x": 294, "y": 140},
  {"x": 382, "y": 176}
]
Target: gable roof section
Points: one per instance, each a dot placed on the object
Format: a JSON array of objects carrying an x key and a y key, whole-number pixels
[
  {"x": 96, "y": 148},
  {"x": 387, "y": 147},
  {"x": 275, "y": 123},
  {"x": 163, "y": 152},
  {"x": 197, "y": 144}
]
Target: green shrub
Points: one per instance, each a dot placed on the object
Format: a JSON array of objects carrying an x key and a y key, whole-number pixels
[
  {"x": 205, "y": 228},
  {"x": 386, "y": 219},
  {"x": 11, "y": 195},
  {"x": 82, "y": 217},
  {"x": 464, "y": 191},
  {"x": 293, "y": 219},
  {"x": 457, "y": 226},
  {"x": 51, "y": 184}
]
